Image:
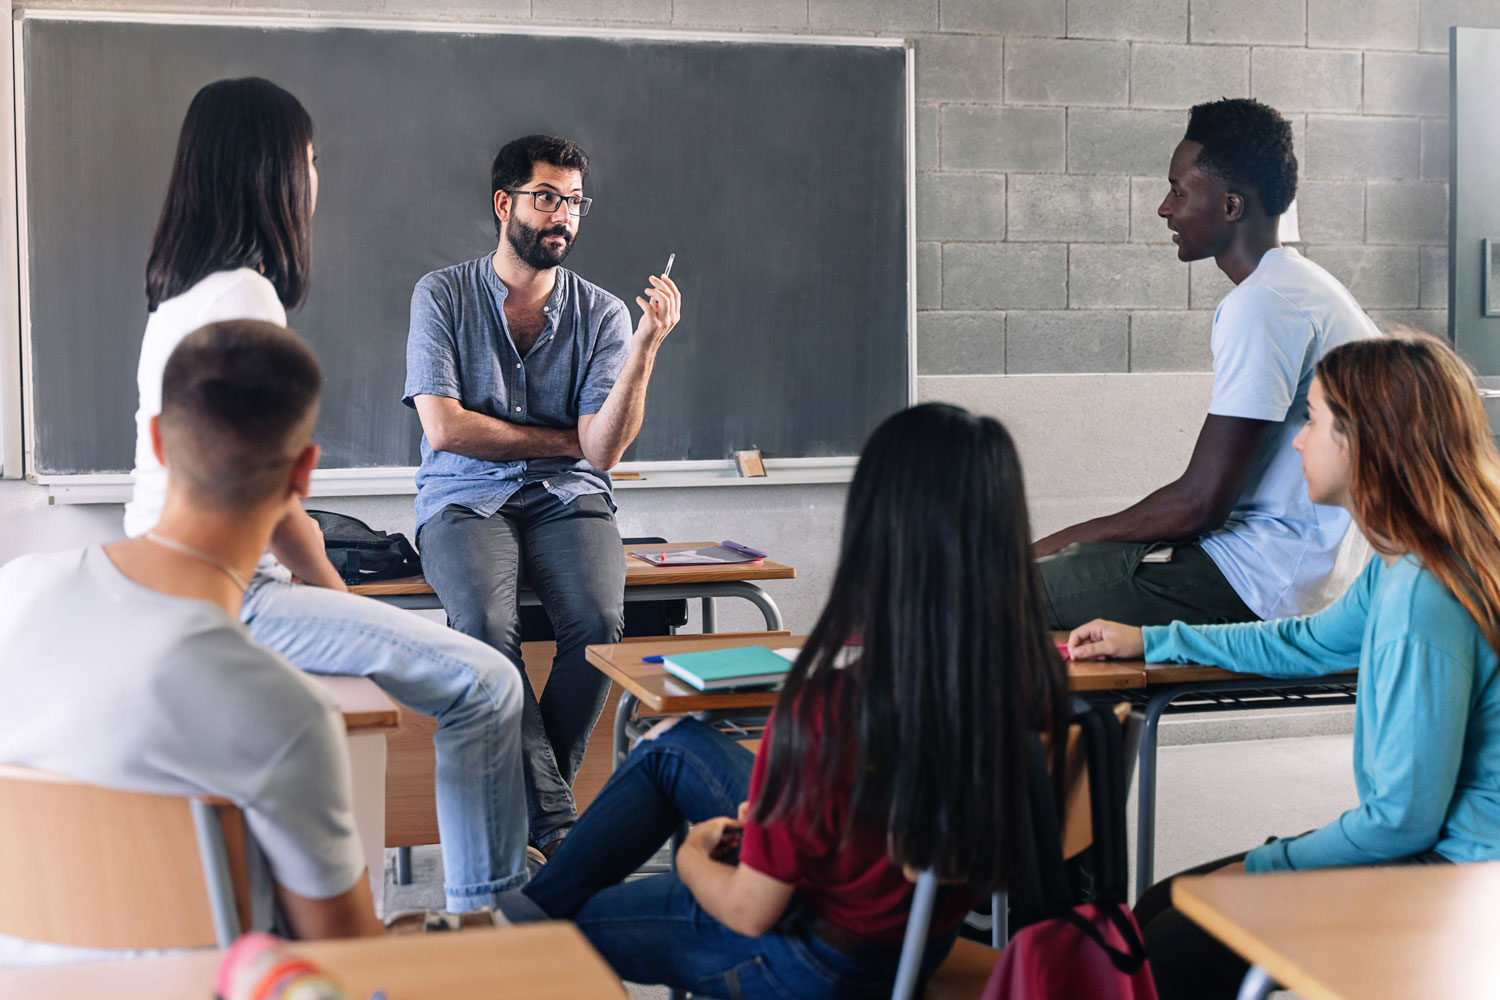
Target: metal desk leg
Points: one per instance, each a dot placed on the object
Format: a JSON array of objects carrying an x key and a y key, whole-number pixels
[
  {"x": 620, "y": 744},
  {"x": 403, "y": 866},
  {"x": 1145, "y": 790},
  {"x": 762, "y": 600},
  {"x": 710, "y": 623},
  {"x": 1257, "y": 984}
]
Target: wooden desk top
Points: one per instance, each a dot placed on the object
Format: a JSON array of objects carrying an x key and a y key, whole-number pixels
[
  {"x": 1366, "y": 933},
  {"x": 1157, "y": 674},
  {"x": 365, "y": 706},
  {"x": 549, "y": 961},
  {"x": 660, "y": 692},
  {"x": 637, "y": 573}
]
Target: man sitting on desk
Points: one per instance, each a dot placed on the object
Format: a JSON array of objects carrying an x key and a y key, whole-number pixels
[
  {"x": 530, "y": 386},
  {"x": 1235, "y": 537},
  {"x": 127, "y": 666}
]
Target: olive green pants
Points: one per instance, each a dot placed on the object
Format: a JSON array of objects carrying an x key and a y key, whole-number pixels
[{"x": 1108, "y": 580}]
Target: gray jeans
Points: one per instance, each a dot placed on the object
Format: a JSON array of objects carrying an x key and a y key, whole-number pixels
[{"x": 570, "y": 555}]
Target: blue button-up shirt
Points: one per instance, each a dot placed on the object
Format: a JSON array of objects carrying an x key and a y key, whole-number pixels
[{"x": 459, "y": 346}]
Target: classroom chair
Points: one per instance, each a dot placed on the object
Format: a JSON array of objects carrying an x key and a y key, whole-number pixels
[
  {"x": 1094, "y": 821},
  {"x": 93, "y": 867}
]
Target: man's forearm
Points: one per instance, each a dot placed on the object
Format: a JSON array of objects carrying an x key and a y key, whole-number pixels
[
  {"x": 297, "y": 543},
  {"x": 1167, "y": 515},
  {"x": 619, "y": 420},
  {"x": 491, "y": 439}
]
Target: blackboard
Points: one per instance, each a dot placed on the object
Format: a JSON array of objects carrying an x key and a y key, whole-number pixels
[{"x": 775, "y": 170}]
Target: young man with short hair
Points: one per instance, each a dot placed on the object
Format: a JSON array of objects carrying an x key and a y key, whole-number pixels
[
  {"x": 530, "y": 385},
  {"x": 1235, "y": 537},
  {"x": 126, "y": 665}
]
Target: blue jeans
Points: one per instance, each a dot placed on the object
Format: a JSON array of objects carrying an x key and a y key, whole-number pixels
[
  {"x": 652, "y": 930},
  {"x": 470, "y": 689},
  {"x": 570, "y": 554}
]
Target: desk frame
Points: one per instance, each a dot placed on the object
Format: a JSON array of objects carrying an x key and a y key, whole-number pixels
[
  {"x": 1279, "y": 692},
  {"x": 706, "y": 592}
]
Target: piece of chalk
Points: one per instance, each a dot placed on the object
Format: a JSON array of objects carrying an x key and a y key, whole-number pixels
[{"x": 667, "y": 271}]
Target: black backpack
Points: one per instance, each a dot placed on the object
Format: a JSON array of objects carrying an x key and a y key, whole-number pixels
[{"x": 360, "y": 554}]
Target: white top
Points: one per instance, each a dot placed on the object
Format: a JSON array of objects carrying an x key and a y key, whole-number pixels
[
  {"x": 1283, "y": 554},
  {"x": 223, "y": 295},
  {"x": 107, "y": 681}
]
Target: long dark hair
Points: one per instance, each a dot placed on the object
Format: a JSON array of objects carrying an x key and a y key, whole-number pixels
[
  {"x": 1424, "y": 474},
  {"x": 954, "y": 669},
  {"x": 240, "y": 193}
]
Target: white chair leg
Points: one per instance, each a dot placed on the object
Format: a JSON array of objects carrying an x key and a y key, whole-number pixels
[{"x": 1256, "y": 985}]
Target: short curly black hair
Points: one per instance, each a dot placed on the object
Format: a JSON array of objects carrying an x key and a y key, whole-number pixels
[
  {"x": 517, "y": 160},
  {"x": 1247, "y": 143}
]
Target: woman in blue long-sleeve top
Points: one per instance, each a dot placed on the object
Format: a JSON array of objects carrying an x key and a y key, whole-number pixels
[{"x": 1396, "y": 435}]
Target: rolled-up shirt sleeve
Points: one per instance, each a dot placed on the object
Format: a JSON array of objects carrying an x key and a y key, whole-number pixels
[
  {"x": 610, "y": 351},
  {"x": 432, "y": 362}
]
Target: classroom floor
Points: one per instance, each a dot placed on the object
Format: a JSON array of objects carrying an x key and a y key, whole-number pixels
[{"x": 1216, "y": 798}]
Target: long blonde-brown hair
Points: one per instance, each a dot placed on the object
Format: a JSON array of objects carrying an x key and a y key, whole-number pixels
[{"x": 1424, "y": 474}]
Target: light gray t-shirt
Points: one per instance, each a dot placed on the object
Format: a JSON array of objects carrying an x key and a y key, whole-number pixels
[
  {"x": 1283, "y": 554},
  {"x": 110, "y": 682}
]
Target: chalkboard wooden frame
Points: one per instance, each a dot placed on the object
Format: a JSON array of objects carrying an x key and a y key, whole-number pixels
[{"x": 112, "y": 487}]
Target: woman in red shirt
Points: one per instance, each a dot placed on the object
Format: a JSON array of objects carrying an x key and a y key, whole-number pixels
[{"x": 898, "y": 744}]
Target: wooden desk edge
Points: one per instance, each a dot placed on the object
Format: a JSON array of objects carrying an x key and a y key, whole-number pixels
[
  {"x": 387, "y": 718},
  {"x": 770, "y": 569},
  {"x": 1243, "y": 942}
]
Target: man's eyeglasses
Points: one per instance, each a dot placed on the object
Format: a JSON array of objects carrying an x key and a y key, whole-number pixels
[{"x": 547, "y": 201}]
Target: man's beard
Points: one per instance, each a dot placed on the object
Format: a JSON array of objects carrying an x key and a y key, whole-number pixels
[{"x": 526, "y": 243}]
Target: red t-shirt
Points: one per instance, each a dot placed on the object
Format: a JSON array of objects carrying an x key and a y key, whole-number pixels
[{"x": 854, "y": 886}]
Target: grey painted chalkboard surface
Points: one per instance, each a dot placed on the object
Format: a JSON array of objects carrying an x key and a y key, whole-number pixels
[{"x": 776, "y": 173}]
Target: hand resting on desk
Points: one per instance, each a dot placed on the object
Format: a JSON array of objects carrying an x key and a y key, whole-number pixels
[{"x": 1101, "y": 640}]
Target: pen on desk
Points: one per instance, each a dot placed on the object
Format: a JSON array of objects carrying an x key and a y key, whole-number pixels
[
  {"x": 666, "y": 272},
  {"x": 652, "y": 659}
]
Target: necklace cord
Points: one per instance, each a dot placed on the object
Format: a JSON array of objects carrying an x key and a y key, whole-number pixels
[{"x": 201, "y": 556}]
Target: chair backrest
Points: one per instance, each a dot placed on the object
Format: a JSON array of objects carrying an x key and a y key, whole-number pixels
[
  {"x": 1094, "y": 804},
  {"x": 94, "y": 867}
]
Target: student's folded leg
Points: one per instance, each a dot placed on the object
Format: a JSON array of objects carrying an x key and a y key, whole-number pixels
[
  {"x": 1115, "y": 581},
  {"x": 472, "y": 691},
  {"x": 689, "y": 772},
  {"x": 474, "y": 565},
  {"x": 573, "y": 562}
]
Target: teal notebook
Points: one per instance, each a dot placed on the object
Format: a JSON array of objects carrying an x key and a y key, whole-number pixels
[{"x": 743, "y": 666}]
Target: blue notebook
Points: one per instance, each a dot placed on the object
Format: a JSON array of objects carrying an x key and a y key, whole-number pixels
[{"x": 743, "y": 666}]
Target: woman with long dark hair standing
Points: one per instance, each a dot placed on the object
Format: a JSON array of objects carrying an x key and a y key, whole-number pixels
[
  {"x": 1396, "y": 435},
  {"x": 898, "y": 744},
  {"x": 235, "y": 242}
]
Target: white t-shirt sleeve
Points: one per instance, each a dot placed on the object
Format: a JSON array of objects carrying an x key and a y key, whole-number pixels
[
  {"x": 282, "y": 757},
  {"x": 1261, "y": 345},
  {"x": 303, "y": 816}
]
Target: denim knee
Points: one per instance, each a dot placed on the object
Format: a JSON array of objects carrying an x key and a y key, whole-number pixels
[
  {"x": 495, "y": 686},
  {"x": 589, "y": 624}
]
